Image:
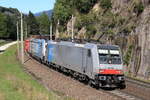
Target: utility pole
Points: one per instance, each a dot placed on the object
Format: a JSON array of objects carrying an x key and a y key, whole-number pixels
[
  {"x": 18, "y": 38},
  {"x": 72, "y": 28},
  {"x": 57, "y": 31},
  {"x": 22, "y": 42},
  {"x": 51, "y": 32},
  {"x": 26, "y": 32}
]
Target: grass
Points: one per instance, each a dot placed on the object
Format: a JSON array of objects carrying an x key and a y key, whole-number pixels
[
  {"x": 16, "y": 84},
  {"x": 138, "y": 79}
]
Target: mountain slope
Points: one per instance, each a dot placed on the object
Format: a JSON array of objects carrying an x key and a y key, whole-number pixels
[
  {"x": 49, "y": 13},
  {"x": 121, "y": 22}
]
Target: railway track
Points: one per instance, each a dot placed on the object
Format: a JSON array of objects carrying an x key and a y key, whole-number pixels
[
  {"x": 124, "y": 95},
  {"x": 127, "y": 94},
  {"x": 140, "y": 83},
  {"x": 136, "y": 90},
  {"x": 140, "y": 93}
]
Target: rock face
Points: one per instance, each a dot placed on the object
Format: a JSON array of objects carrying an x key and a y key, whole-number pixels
[
  {"x": 124, "y": 24},
  {"x": 143, "y": 32},
  {"x": 139, "y": 38}
]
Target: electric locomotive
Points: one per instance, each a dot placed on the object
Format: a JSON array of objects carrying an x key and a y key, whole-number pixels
[{"x": 99, "y": 64}]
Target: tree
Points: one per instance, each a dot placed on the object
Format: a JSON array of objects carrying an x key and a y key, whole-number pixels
[
  {"x": 106, "y": 4},
  {"x": 3, "y": 26},
  {"x": 44, "y": 23},
  {"x": 84, "y": 6},
  {"x": 62, "y": 11},
  {"x": 139, "y": 8},
  {"x": 11, "y": 27},
  {"x": 33, "y": 26}
]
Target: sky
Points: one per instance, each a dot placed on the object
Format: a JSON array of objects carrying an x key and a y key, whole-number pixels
[{"x": 29, "y": 5}]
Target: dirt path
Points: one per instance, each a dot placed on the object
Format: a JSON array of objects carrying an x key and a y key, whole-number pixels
[
  {"x": 4, "y": 47},
  {"x": 64, "y": 85}
]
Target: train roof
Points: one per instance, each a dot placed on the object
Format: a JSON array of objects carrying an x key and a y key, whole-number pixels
[
  {"x": 82, "y": 45},
  {"x": 105, "y": 46},
  {"x": 86, "y": 45}
]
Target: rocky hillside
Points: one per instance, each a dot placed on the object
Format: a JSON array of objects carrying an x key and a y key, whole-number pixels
[{"x": 122, "y": 22}]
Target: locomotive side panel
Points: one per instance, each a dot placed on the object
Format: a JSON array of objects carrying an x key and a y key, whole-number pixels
[
  {"x": 89, "y": 63},
  {"x": 39, "y": 50},
  {"x": 72, "y": 57},
  {"x": 57, "y": 55},
  {"x": 49, "y": 53},
  {"x": 33, "y": 47},
  {"x": 53, "y": 53}
]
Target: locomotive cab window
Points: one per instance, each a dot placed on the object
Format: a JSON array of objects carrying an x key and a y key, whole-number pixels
[
  {"x": 89, "y": 53},
  {"x": 109, "y": 56}
]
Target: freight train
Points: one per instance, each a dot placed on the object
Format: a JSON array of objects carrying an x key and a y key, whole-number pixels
[{"x": 99, "y": 65}]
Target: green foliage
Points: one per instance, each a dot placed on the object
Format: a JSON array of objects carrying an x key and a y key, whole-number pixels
[
  {"x": 44, "y": 23},
  {"x": 84, "y": 20},
  {"x": 91, "y": 31},
  {"x": 11, "y": 25},
  {"x": 84, "y": 6},
  {"x": 127, "y": 57},
  {"x": 33, "y": 26},
  {"x": 139, "y": 8},
  {"x": 107, "y": 22},
  {"x": 8, "y": 19},
  {"x": 109, "y": 32},
  {"x": 62, "y": 11},
  {"x": 106, "y": 4},
  {"x": 129, "y": 28},
  {"x": 7, "y": 27},
  {"x": 15, "y": 84},
  {"x": 3, "y": 26},
  {"x": 10, "y": 11}
]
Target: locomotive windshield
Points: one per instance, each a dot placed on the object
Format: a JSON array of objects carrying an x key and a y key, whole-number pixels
[{"x": 109, "y": 56}]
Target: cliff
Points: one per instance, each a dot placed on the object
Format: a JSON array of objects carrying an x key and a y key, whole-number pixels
[{"x": 122, "y": 22}]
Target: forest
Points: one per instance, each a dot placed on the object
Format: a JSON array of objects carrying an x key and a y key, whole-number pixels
[{"x": 32, "y": 24}]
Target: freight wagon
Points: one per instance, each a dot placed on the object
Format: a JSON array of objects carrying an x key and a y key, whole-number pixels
[
  {"x": 37, "y": 48},
  {"x": 27, "y": 45}
]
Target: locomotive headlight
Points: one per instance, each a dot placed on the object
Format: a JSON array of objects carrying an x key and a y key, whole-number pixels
[
  {"x": 121, "y": 78},
  {"x": 101, "y": 71},
  {"x": 120, "y": 71},
  {"x": 102, "y": 77}
]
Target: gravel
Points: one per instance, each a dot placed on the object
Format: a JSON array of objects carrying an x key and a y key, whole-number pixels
[{"x": 64, "y": 85}]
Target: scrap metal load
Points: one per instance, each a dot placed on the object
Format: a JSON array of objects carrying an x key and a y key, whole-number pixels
[{"x": 98, "y": 64}]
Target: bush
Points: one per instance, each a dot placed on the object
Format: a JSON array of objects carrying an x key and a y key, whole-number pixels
[
  {"x": 84, "y": 6},
  {"x": 105, "y": 4},
  {"x": 84, "y": 20},
  {"x": 129, "y": 28},
  {"x": 139, "y": 8},
  {"x": 91, "y": 30},
  {"x": 127, "y": 57},
  {"x": 62, "y": 11}
]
